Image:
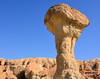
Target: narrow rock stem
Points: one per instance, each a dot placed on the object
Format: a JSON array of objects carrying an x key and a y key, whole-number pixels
[{"x": 65, "y": 42}]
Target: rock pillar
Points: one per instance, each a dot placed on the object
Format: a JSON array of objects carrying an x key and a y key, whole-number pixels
[{"x": 66, "y": 24}]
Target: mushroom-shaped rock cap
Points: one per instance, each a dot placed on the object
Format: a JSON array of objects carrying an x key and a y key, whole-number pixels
[{"x": 62, "y": 14}]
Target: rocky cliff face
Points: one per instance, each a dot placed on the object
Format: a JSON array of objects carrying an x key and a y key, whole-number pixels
[{"x": 44, "y": 68}]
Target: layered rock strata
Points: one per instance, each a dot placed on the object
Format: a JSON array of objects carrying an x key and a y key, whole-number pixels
[
  {"x": 66, "y": 24},
  {"x": 44, "y": 68}
]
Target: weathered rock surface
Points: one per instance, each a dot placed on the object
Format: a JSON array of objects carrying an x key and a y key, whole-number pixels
[
  {"x": 66, "y": 24},
  {"x": 44, "y": 68}
]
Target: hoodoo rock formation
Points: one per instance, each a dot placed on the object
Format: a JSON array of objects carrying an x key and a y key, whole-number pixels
[{"x": 66, "y": 24}]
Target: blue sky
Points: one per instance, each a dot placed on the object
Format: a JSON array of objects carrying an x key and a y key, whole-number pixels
[{"x": 23, "y": 33}]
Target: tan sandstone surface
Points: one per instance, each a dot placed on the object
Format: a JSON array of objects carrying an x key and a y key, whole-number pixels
[
  {"x": 44, "y": 68},
  {"x": 67, "y": 25}
]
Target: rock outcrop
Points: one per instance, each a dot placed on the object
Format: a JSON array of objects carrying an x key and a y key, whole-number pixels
[
  {"x": 30, "y": 68},
  {"x": 44, "y": 68},
  {"x": 66, "y": 24}
]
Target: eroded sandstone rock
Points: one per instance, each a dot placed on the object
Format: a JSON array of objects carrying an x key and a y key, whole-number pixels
[
  {"x": 2, "y": 61},
  {"x": 44, "y": 68},
  {"x": 66, "y": 24}
]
